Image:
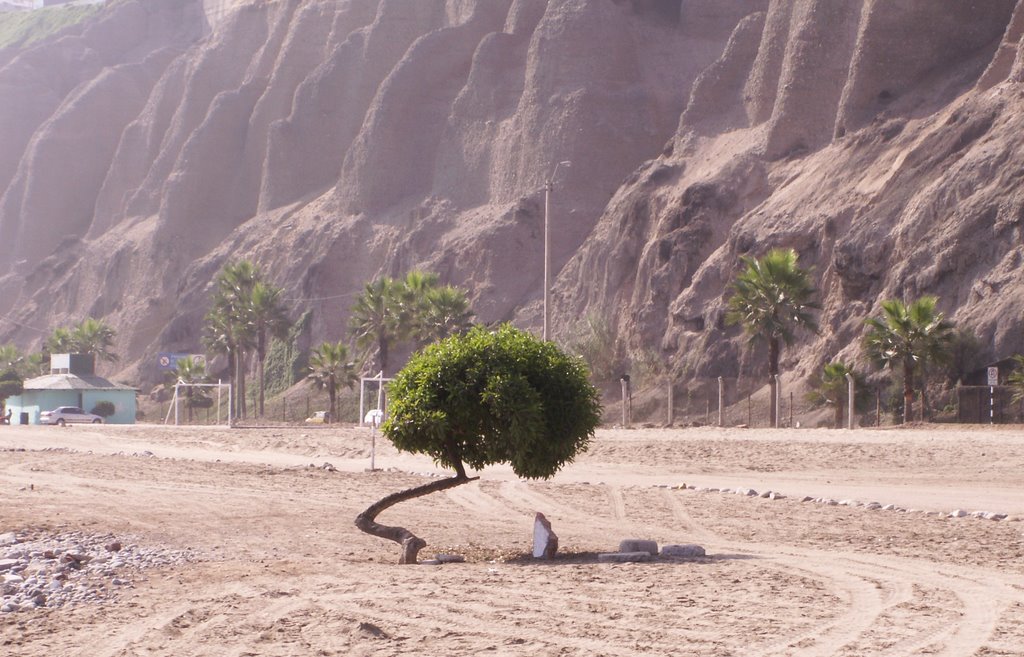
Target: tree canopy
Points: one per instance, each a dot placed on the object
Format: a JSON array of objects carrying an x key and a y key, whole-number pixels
[{"x": 494, "y": 397}]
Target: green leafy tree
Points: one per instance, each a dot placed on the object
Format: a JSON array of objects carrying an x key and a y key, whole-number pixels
[
  {"x": 597, "y": 345},
  {"x": 772, "y": 298},
  {"x": 269, "y": 319},
  {"x": 329, "y": 369},
  {"x": 10, "y": 357},
  {"x": 908, "y": 337},
  {"x": 11, "y": 384},
  {"x": 830, "y": 387},
  {"x": 189, "y": 371},
  {"x": 484, "y": 398},
  {"x": 446, "y": 313},
  {"x": 378, "y": 320},
  {"x": 95, "y": 337},
  {"x": 230, "y": 329},
  {"x": 1016, "y": 378},
  {"x": 62, "y": 341}
]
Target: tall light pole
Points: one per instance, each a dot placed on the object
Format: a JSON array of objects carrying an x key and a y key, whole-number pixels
[{"x": 549, "y": 187}]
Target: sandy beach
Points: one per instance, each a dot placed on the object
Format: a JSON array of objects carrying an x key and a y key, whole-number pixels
[{"x": 275, "y": 566}]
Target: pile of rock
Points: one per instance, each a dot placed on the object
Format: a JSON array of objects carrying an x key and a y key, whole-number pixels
[
  {"x": 634, "y": 549},
  {"x": 56, "y": 570}
]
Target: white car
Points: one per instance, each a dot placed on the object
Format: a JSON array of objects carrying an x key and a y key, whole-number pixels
[{"x": 63, "y": 415}]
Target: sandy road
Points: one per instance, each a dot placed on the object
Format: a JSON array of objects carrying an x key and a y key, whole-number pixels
[{"x": 282, "y": 571}]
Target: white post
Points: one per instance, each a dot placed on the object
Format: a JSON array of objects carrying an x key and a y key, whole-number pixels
[
  {"x": 721, "y": 401},
  {"x": 671, "y": 404},
  {"x": 778, "y": 400},
  {"x": 549, "y": 187},
  {"x": 380, "y": 391},
  {"x": 218, "y": 401},
  {"x": 230, "y": 396},
  {"x": 176, "y": 402},
  {"x": 362, "y": 398},
  {"x": 849, "y": 401}
]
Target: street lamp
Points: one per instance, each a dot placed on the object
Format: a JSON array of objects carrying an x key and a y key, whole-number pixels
[{"x": 548, "y": 188}]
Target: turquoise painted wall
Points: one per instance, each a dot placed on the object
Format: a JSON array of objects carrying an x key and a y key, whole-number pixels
[{"x": 35, "y": 401}]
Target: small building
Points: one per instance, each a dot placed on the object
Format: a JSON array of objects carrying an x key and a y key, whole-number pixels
[{"x": 72, "y": 381}]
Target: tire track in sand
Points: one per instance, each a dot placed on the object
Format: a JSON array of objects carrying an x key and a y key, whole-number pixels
[{"x": 894, "y": 607}]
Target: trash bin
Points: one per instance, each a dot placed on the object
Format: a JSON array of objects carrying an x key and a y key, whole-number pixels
[{"x": 23, "y": 419}]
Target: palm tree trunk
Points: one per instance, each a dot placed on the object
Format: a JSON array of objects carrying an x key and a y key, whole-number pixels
[
  {"x": 908, "y": 391},
  {"x": 260, "y": 355},
  {"x": 332, "y": 393},
  {"x": 773, "y": 382},
  {"x": 383, "y": 346}
]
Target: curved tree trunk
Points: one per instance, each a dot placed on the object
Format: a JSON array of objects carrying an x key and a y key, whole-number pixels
[{"x": 410, "y": 543}]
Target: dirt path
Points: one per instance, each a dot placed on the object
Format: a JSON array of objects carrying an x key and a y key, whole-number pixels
[{"x": 280, "y": 571}]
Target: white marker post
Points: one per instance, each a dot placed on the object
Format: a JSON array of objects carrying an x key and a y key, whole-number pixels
[
  {"x": 993, "y": 381},
  {"x": 849, "y": 400}
]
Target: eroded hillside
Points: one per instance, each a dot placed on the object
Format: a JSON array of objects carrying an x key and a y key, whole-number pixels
[{"x": 335, "y": 140}]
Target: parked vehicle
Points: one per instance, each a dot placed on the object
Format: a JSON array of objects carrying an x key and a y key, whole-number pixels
[
  {"x": 63, "y": 415},
  {"x": 319, "y": 417}
]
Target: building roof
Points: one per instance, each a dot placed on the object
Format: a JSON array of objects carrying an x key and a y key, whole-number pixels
[{"x": 72, "y": 382}]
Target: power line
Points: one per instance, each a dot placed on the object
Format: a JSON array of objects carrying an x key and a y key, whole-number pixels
[{"x": 23, "y": 325}]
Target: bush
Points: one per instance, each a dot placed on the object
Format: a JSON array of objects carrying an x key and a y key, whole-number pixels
[
  {"x": 104, "y": 409},
  {"x": 494, "y": 397}
]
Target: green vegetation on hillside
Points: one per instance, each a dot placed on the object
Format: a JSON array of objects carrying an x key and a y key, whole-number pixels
[{"x": 23, "y": 28}]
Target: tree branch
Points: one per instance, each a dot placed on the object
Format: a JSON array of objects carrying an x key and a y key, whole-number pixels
[{"x": 410, "y": 543}]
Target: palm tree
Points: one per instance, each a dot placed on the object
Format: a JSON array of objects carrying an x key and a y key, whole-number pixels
[
  {"x": 772, "y": 298},
  {"x": 447, "y": 312},
  {"x": 189, "y": 371},
  {"x": 831, "y": 387},
  {"x": 413, "y": 301},
  {"x": 269, "y": 318},
  {"x": 10, "y": 357},
  {"x": 377, "y": 319},
  {"x": 908, "y": 337},
  {"x": 330, "y": 368},
  {"x": 219, "y": 338},
  {"x": 230, "y": 325},
  {"x": 94, "y": 337},
  {"x": 62, "y": 341}
]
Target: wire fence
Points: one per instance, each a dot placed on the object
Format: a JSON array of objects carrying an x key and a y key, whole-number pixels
[{"x": 745, "y": 402}]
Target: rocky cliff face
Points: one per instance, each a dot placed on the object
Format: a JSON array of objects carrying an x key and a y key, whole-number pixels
[{"x": 335, "y": 140}]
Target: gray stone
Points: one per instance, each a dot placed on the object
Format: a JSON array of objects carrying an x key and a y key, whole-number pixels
[
  {"x": 638, "y": 545},
  {"x": 959, "y": 513},
  {"x": 776, "y": 496},
  {"x": 806, "y": 498},
  {"x": 450, "y": 558},
  {"x": 991, "y": 515},
  {"x": 545, "y": 541},
  {"x": 686, "y": 550},
  {"x": 8, "y": 538},
  {"x": 7, "y": 564},
  {"x": 872, "y": 506},
  {"x": 623, "y": 557}
]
